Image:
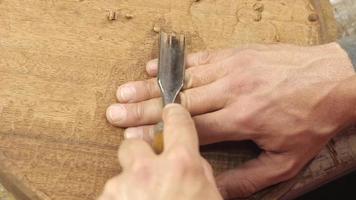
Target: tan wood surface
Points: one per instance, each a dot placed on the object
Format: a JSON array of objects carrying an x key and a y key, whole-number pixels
[{"x": 62, "y": 60}]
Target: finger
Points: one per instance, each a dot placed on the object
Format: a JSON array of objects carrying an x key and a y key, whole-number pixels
[
  {"x": 206, "y": 57},
  {"x": 179, "y": 129},
  {"x": 132, "y": 151},
  {"x": 268, "y": 169},
  {"x": 152, "y": 67},
  {"x": 148, "y": 89},
  {"x": 145, "y": 133},
  {"x": 196, "y": 100},
  {"x": 212, "y": 128},
  {"x": 215, "y": 127},
  {"x": 111, "y": 189},
  {"x": 206, "y": 98},
  {"x": 135, "y": 114},
  {"x": 138, "y": 91},
  {"x": 195, "y": 59},
  {"x": 204, "y": 74}
]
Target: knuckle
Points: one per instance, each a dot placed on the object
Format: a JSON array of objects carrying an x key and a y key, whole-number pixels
[
  {"x": 248, "y": 118},
  {"x": 185, "y": 100},
  {"x": 247, "y": 81},
  {"x": 138, "y": 112},
  {"x": 182, "y": 159},
  {"x": 247, "y": 57},
  {"x": 289, "y": 170},
  {"x": 150, "y": 87},
  {"x": 244, "y": 119},
  {"x": 204, "y": 57},
  {"x": 188, "y": 80},
  {"x": 141, "y": 165}
]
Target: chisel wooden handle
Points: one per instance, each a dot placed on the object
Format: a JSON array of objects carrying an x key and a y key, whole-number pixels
[{"x": 158, "y": 143}]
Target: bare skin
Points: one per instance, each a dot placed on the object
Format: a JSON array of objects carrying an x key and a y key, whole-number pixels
[
  {"x": 285, "y": 98},
  {"x": 178, "y": 173}
]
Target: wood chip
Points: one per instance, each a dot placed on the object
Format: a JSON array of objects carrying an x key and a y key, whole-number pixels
[
  {"x": 258, "y": 7},
  {"x": 129, "y": 16},
  {"x": 156, "y": 28},
  {"x": 258, "y": 17},
  {"x": 112, "y": 15},
  {"x": 313, "y": 17}
]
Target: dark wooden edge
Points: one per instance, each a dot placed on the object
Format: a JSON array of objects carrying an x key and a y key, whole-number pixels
[
  {"x": 338, "y": 172},
  {"x": 18, "y": 188}
]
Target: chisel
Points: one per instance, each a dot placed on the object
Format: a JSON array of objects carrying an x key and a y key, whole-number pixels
[{"x": 170, "y": 78}]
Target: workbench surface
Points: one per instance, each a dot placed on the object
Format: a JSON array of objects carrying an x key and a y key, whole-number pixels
[{"x": 61, "y": 62}]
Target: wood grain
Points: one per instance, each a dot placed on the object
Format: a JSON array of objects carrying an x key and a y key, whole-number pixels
[{"x": 61, "y": 62}]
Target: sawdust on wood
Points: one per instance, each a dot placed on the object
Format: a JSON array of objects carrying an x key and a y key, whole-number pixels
[{"x": 61, "y": 62}]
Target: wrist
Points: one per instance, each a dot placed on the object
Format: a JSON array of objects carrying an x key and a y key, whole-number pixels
[
  {"x": 348, "y": 89},
  {"x": 345, "y": 99}
]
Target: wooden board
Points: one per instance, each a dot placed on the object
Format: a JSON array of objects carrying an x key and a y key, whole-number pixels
[{"x": 61, "y": 62}]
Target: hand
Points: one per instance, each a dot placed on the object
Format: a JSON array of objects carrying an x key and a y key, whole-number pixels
[
  {"x": 178, "y": 173},
  {"x": 282, "y": 97}
]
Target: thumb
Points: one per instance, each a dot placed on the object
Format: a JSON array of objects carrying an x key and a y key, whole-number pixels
[
  {"x": 268, "y": 169},
  {"x": 179, "y": 129}
]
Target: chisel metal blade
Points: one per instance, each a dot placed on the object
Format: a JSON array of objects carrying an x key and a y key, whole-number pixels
[
  {"x": 171, "y": 66},
  {"x": 170, "y": 78}
]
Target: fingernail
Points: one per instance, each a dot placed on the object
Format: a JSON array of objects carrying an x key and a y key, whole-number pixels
[
  {"x": 133, "y": 133},
  {"x": 152, "y": 67},
  {"x": 116, "y": 113},
  {"x": 127, "y": 92}
]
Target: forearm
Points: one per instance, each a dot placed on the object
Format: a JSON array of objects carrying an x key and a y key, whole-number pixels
[
  {"x": 349, "y": 45},
  {"x": 345, "y": 15},
  {"x": 345, "y": 100}
]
